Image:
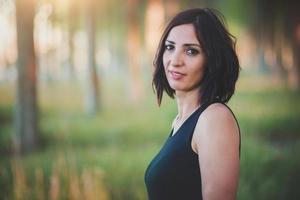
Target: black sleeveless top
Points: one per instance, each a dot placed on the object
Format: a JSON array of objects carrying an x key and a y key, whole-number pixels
[{"x": 174, "y": 173}]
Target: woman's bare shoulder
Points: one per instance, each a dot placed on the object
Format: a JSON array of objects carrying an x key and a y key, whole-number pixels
[
  {"x": 218, "y": 121},
  {"x": 216, "y": 111}
]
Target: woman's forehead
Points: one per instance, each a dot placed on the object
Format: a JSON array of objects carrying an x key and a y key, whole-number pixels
[{"x": 184, "y": 33}]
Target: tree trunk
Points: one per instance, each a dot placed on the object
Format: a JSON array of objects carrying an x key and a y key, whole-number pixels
[
  {"x": 278, "y": 29},
  {"x": 92, "y": 103},
  {"x": 26, "y": 99},
  {"x": 72, "y": 20},
  {"x": 154, "y": 21},
  {"x": 133, "y": 49},
  {"x": 71, "y": 64},
  {"x": 171, "y": 8},
  {"x": 294, "y": 72},
  {"x": 294, "y": 20}
]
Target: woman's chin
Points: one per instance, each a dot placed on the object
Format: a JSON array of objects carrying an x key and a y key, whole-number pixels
[
  {"x": 178, "y": 88},
  {"x": 181, "y": 88},
  {"x": 175, "y": 86}
]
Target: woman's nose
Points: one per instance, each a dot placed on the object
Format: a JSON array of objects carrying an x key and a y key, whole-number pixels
[{"x": 176, "y": 59}]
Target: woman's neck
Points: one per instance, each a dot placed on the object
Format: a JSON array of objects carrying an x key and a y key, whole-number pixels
[{"x": 187, "y": 102}]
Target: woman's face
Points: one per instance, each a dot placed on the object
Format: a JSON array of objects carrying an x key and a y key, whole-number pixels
[{"x": 183, "y": 59}]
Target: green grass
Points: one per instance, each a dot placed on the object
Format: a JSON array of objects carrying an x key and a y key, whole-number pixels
[{"x": 123, "y": 138}]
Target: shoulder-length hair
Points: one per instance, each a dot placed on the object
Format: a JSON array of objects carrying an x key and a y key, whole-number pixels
[{"x": 222, "y": 67}]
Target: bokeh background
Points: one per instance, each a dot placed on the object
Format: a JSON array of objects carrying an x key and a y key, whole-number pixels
[{"x": 78, "y": 116}]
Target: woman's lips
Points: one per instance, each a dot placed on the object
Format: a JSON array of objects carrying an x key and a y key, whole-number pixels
[{"x": 176, "y": 75}]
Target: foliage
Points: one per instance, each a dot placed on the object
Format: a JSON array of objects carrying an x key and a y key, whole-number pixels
[{"x": 109, "y": 153}]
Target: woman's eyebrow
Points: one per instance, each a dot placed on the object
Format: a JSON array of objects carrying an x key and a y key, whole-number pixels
[
  {"x": 170, "y": 41},
  {"x": 186, "y": 44},
  {"x": 192, "y": 44}
]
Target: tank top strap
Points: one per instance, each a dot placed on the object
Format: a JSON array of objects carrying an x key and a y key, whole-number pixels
[
  {"x": 194, "y": 118},
  {"x": 199, "y": 111},
  {"x": 202, "y": 108}
]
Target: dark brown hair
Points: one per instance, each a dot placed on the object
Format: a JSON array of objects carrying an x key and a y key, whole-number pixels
[{"x": 222, "y": 67}]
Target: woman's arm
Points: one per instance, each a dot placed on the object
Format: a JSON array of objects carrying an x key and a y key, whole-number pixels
[{"x": 216, "y": 139}]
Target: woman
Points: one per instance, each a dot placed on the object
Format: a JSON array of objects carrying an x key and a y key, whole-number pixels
[{"x": 197, "y": 64}]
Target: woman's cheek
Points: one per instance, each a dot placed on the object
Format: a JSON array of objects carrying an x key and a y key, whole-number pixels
[{"x": 165, "y": 60}]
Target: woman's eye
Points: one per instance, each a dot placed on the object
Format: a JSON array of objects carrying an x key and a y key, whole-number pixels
[
  {"x": 192, "y": 52},
  {"x": 169, "y": 47}
]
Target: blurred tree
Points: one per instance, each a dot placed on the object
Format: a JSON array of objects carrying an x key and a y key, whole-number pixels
[
  {"x": 275, "y": 26},
  {"x": 26, "y": 101},
  {"x": 92, "y": 98},
  {"x": 65, "y": 17},
  {"x": 73, "y": 14},
  {"x": 133, "y": 50},
  {"x": 154, "y": 20},
  {"x": 292, "y": 33},
  {"x": 171, "y": 8}
]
